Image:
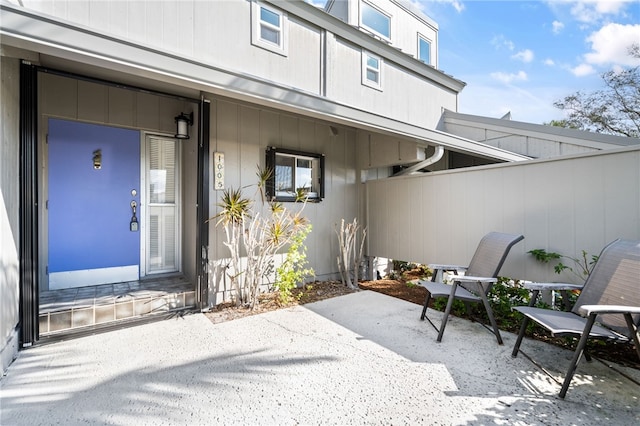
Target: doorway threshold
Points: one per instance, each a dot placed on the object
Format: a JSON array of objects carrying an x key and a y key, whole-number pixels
[{"x": 70, "y": 310}]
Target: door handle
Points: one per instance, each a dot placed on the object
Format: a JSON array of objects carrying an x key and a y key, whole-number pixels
[{"x": 133, "y": 225}]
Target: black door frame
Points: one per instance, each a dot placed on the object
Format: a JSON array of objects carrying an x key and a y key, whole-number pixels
[
  {"x": 29, "y": 285},
  {"x": 29, "y": 190}
]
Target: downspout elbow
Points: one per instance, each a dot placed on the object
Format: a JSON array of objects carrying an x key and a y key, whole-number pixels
[{"x": 422, "y": 164}]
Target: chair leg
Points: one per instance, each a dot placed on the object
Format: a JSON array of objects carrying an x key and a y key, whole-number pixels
[
  {"x": 492, "y": 319},
  {"x": 577, "y": 355},
  {"x": 428, "y": 299},
  {"x": 426, "y": 304},
  {"x": 447, "y": 311},
  {"x": 525, "y": 322},
  {"x": 523, "y": 329},
  {"x": 633, "y": 331}
]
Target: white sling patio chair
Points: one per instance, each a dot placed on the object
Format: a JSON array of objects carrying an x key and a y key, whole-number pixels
[
  {"x": 477, "y": 281},
  {"x": 608, "y": 307}
]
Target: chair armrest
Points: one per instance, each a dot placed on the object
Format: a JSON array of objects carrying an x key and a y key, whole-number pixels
[
  {"x": 469, "y": 278},
  {"x": 587, "y": 310},
  {"x": 552, "y": 286},
  {"x": 445, "y": 267}
]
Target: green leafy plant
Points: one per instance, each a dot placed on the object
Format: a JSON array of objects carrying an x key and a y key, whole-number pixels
[
  {"x": 505, "y": 294},
  {"x": 582, "y": 266},
  {"x": 293, "y": 271}
]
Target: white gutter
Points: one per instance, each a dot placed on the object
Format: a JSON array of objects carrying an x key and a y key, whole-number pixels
[{"x": 421, "y": 165}]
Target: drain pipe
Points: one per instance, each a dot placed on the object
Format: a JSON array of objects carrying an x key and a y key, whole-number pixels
[{"x": 433, "y": 159}]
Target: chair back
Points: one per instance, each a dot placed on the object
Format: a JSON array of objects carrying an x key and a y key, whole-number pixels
[
  {"x": 614, "y": 280},
  {"x": 491, "y": 254}
]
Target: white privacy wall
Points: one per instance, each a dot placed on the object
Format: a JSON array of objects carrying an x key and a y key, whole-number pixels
[{"x": 566, "y": 205}]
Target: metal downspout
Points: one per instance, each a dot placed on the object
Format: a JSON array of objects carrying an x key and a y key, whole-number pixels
[{"x": 433, "y": 159}]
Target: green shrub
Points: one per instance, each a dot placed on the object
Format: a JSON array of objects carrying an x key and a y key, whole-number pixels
[
  {"x": 292, "y": 271},
  {"x": 583, "y": 265}
]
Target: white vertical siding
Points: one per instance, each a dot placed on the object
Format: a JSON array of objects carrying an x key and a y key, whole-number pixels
[
  {"x": 9, "y": 210},
  {"x": 404, "y": 96},
  {"x": 532, "y": 144},
  {"x": 243, "y": 132},
  {"x": 218, "y": 34},
  {"x": 564, "y": 205},
  {"x": 405, "y": 25}
]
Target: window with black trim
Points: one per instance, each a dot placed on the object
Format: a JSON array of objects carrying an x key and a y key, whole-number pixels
[
  {"x": 294, "y": 172},
  {"x": 269, "y": 28}
]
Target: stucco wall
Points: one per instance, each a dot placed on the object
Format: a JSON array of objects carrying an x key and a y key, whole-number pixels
[
  {"x": 566, "y": 205},
  {"x": 9, "y": 214}
]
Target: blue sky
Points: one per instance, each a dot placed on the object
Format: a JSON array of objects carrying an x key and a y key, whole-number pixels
[{"x": 521, "y": 56}]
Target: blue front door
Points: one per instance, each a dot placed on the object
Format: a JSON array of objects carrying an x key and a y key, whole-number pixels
[{"x": 93, "y": 178}]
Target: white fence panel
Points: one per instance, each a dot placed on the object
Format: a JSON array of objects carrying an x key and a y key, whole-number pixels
[{"x": 566, "y": 205}]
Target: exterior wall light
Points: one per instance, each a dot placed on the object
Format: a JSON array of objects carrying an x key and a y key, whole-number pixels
[{"x": 183, "y": 121}]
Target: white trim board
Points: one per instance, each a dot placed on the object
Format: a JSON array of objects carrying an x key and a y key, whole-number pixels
[{"x": 90, "y": 277}]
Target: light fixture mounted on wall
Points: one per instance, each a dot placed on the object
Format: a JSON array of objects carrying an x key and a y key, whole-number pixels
[{"x": 183, "y": 121}]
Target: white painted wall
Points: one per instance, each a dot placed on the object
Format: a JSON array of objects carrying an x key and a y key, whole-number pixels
[
  {"x": 566, "y": 205},
  {"x": 9, "y": 211}
]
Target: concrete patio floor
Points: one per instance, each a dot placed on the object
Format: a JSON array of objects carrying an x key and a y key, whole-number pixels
[{"x": 363, "y": 358}]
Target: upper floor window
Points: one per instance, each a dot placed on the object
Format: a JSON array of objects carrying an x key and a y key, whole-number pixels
[
  {"x": 424, "y": 50},
  {"x": 269, "y": 28},
  {"x": 295, "y": 173},
  {"x": 375, "y": 20},
  {"x": 371, "y": 70}
]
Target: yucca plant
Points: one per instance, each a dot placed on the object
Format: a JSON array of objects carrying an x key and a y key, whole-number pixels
[
  {"x": 259, "y": 236},
  {"x": 234, "y": 207}
]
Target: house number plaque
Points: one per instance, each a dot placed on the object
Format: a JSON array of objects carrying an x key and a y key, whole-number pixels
[{"x": 218, "y": 171}]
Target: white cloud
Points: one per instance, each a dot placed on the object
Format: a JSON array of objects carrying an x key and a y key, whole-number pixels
[
  {"x": 582, "y": 70},
  {"x": 557, "y": 27},
  {"x": 591, "y": 11},
  {"x": 610, "y": 45},
  {"x": 459, "y": 6},
  {"x": 533, "y": 105},
  {"x": 549, "y": 62},
  {"x": 509, "y": 78},
  {"x": 525, "y": 56},
  {"x": 421, "y": 4},
  {"x": 501, "y": 42}
]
